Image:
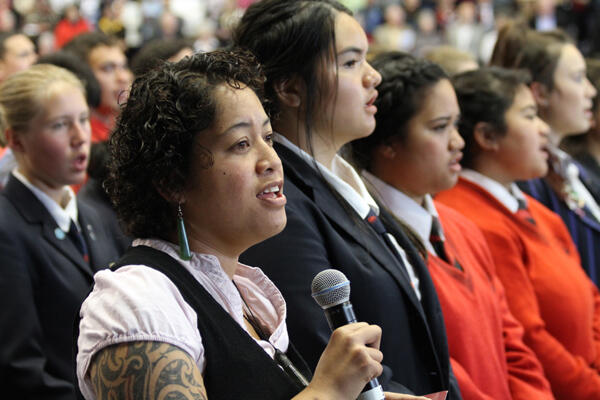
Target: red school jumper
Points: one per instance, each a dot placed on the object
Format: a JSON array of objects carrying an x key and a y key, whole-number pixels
[
  {"x": 488, "y": 356},
  {"x": 546, "y": 288}
]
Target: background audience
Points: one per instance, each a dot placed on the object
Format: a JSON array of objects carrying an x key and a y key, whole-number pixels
[{"x": 317, "y": 103}]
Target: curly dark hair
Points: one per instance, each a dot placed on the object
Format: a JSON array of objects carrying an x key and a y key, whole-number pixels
[
  {"x": 484, "y": 95},
  {"x": 152, "y": 147},
  {"x": 404, "y": 82}
]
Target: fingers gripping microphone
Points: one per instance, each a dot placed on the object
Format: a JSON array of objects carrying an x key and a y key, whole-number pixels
[{"x": 331, "y": 290}]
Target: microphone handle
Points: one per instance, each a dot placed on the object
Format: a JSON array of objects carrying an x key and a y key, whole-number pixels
[
  {"x": 343, "y": 314},
  {"x": 340, "y": 315}
]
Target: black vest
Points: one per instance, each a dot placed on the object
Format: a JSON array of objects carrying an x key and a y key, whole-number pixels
[{"x": 236, "y": 366}]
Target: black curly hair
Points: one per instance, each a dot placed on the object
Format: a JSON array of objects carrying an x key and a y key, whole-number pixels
[
  {"x": 484, "y": 95},
  {"x": 405, "y": 80},
  {"x": 152, "y": 147}
]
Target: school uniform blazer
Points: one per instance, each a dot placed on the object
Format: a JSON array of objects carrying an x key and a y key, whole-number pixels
[
  {"x": 43, "y": 280},
  {"x": 320, "y": 234},
  {"x": 583, "y": 227}
]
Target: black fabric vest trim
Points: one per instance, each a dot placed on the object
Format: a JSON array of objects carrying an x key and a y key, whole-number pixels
[{"x": 236, "y": 366}]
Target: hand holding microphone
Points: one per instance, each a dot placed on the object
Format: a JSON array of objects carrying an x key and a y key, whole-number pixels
[
  {"x": 354, "y": 347},
  {"x": 351, "y": 361}
]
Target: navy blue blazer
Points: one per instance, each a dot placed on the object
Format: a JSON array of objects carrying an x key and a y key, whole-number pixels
[
  {"x": 319, "y": 234},
  {"x": 584, "y": 229},
  {"x": 43, "y": 280}
]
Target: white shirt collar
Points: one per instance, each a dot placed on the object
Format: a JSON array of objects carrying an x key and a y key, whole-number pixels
[
  {"x": 405, "y": 208},
  {"x": 342, "y": 177},
  {"x": 62, "y": 216},
  {"x": 508, "y": 198}
]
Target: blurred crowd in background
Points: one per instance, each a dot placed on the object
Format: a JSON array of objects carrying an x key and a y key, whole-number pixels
[{"x": 409, "y": 25}]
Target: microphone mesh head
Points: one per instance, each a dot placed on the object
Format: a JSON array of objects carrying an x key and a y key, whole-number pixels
[{"x": 330, "y": 288}]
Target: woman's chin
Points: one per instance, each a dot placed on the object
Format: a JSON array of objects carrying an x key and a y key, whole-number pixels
[{"x": 270, "y": 228}]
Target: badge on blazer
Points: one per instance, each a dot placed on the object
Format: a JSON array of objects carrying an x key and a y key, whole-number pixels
[{"x": 59, "y": 233}]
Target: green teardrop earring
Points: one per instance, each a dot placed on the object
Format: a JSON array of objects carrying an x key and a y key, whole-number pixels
[{"x": 184, "y": 246}]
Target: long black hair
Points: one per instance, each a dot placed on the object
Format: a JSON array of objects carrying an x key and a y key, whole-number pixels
[{"x": 292, "y": 39}]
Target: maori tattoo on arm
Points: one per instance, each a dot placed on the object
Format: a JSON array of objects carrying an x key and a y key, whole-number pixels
[{"x": 146, "y": 371}]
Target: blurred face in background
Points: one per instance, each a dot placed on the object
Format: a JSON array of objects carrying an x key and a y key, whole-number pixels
[
  {"x": 19, "y": 54},
  {"x": 109, "y": 64},
  {"x": 568, "y": 107}
]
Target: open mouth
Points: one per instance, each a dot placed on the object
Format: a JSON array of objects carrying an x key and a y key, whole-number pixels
[
  {"x": 372, "y": 100},
  {"x": 272, "y": 191},
  {"x": 80, "y": 161}
]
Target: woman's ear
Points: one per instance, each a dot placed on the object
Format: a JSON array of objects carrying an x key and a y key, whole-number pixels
[
  {"x": 540, "y": 94},
  {"x": 485, "y": 136},
  {"x": 290, "y": 91}
]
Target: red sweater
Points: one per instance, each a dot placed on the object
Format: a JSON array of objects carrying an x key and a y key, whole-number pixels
[
  {"x": 100, "y": 131},
  {"x": 546, "y": 288},
  {"x": 488, "y": 356},
  {"x": 66, "y": 30}
]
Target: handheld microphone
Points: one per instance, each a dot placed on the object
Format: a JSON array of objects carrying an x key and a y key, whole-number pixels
[{"x": 331, "y": 290}]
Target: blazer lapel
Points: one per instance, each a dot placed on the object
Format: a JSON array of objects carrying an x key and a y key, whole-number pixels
[
  {"x": 34, "y": 212},
  {"x": 91, "y": 237},
  {"x": 308, "y": 180},
  {"x": 430, "y": 309}
]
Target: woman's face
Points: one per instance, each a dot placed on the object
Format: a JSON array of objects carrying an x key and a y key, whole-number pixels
[
  {"x": 238, "y": 201},
  {"x": 427, "y": 159},
  {"x": 522, "y": 150},
  {"x": 54, "y": 150},
  {"x": 569, "y": 108},
  {"x": 350, "y": 114}
]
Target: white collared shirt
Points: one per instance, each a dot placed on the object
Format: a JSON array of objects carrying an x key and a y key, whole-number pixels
[
  {"x": 508, "y": 198},
  {"x": 342, "y": 177},
  {"x": 62, "y": 216},
  {"x": 346, "y": 181}
]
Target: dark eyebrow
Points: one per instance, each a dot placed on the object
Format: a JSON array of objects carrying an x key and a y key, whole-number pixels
[
  {"x": 440, "y": 119},
  {"x": 242, "y": 124},
  {"x": 356, "y": 50},
  {"x": 532, "y": 107}
]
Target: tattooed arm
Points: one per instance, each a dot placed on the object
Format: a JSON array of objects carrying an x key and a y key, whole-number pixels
[
  {"x": 156, "y": 370},
  {"x": 145, "y": 370}
]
